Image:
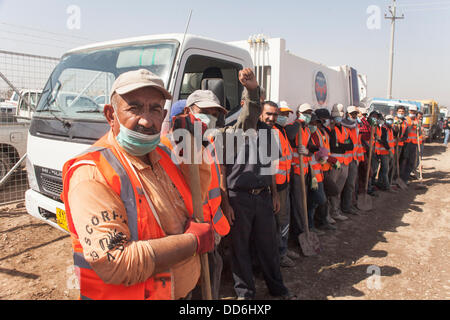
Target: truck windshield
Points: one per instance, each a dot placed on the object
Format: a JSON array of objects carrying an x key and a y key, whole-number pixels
[
  {"x": 80, "y": 85},
  {"x": 383, "y": 108},
  {"x": 426, "y": 109}
]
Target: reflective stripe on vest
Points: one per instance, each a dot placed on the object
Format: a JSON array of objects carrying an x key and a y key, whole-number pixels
[
  {"x": 122, "y": 180},
  {"x": 340, "y": 138},
  {"x": 282, "y": 174}
]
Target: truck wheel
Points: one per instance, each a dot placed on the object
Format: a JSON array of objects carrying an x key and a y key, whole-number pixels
[{"x": 5, "y": 164}]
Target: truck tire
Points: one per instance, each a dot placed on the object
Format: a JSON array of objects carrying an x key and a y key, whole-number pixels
[{"x": 6, "y": 163}]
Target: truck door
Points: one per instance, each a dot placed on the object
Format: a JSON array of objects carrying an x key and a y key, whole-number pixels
[{"x": 199, "y": 66}]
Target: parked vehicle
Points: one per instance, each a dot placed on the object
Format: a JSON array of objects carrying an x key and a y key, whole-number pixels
[
  {"x": 288, "y": 77},
  {"x": 430, "y": 119}
]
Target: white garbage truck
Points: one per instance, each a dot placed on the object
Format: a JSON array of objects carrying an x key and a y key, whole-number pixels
[
  {"x": 295, "y": 80},
  {"x": 69, "y": 115}
]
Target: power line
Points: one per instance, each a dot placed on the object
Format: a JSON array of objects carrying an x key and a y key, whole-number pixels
[
  {"x": 41, "y": 37},
  {"x": 36, "y": 43},
  {"x": 49, "y": 32},
  {"x": 424, "y": 4}
]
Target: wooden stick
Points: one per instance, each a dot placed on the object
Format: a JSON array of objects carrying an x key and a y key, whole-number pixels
[
  {"x": 303, "y": 184},
  {"x": 194, "y": 184},
  {"x": 372, "y": 131}
]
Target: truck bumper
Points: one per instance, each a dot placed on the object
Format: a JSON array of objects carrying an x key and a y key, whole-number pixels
[{"x": 42, "y": 207}]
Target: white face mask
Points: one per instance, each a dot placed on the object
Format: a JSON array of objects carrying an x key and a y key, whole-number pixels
[{"x": 207, "y": 119}]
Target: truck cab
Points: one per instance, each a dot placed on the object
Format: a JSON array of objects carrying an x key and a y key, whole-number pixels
[
  {"x": 63, "y": 127},
  {"x": 430, "y": 119}
]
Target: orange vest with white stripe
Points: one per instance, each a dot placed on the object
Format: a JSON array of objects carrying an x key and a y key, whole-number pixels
[
  {"x": 142, "y": 221},
  {"x": 379, "y": 148},
  {"x": 341, "y": 136},
  {"x": 358, "y": 150},
  {"x": 296, "y": 157},
  {"x": 316, "y": 166},
  {"x": 211, "y": 206},
  {"x": 412, "y": 133},
  {"x": 285, "y": 163},
  {"x": 402, "y": 130},
  {"x": 391, "y": 139}
]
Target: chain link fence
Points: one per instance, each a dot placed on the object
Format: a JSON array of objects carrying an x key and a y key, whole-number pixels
[{"x": 22, "y": 77}]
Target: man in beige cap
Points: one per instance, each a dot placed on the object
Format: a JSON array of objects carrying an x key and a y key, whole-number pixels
[
  {"x": 203, "y": 106},
  {"x": 128, "y": 206}
]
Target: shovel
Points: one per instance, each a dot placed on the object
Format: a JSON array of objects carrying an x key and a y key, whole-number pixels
[
  {"x": 399, "y": 180},
  {"x": 365, "y": 200},
  {"x": 309, "y": 241},
  {"x": 194, "y": 184}
]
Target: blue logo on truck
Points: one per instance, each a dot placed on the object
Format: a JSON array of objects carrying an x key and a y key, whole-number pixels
[{"x": 320, "y": 87}]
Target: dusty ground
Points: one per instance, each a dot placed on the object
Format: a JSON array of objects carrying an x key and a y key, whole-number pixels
[{"x": 400, "y": 250}]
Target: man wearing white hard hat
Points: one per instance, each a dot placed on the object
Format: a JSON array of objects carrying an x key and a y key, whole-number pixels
[
  {"x": 341, "y": 146},
  {"x": 364, "y": 127}
]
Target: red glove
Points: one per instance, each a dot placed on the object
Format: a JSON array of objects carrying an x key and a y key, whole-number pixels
[{"x": 204, "y": 234}]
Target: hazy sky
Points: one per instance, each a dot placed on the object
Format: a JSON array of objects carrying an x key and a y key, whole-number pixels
[{"x": 328, "y": 31}]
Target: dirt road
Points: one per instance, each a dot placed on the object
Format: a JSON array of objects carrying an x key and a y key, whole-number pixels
[{"x": 400, "y": 250}]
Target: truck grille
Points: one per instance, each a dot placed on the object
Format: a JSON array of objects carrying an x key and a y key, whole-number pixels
[
  {"x": 49, "y": 181},
  {"x": 52, "y": 185}
]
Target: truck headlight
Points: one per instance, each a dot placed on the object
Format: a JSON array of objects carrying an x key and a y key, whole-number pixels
[{"x": 32, "y": 181}]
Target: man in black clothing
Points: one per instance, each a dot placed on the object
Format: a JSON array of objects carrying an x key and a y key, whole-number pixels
[{"x": 253, "y": 195}]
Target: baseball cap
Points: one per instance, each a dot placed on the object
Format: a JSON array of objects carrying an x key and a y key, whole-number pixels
[
  {"x": 136, "y": 79},
  {"x": 305, "y": 107},
  {"x": 351, "y": 109},
  {"x": 323, "y": 113},
  {"x": 363, "y": 110},
  {"x": 177, "y": 108},
  {"x": 204, "y": 99}
]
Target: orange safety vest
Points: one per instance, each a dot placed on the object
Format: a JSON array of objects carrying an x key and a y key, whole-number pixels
[
  {"x": 143, "y": 222},
  {"x": 341, "y": 136},
  {"x": 316, "y": 166},
  {"x": 285, "y": 163},
  {"x": 296, "y": 157},
  {"x": 412, "y": 134},
  {"x": 379, "y": 148},
  {"x": 324, "y": 142},
  {"x": 391, "y": 139},
  {"x": 211, "y": 206},
  {"x": 358, "y": 150},
  {"x": 402, "y": 131}
]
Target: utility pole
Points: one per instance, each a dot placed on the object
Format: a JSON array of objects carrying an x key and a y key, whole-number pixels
[{"x": 392, "y": 17}]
